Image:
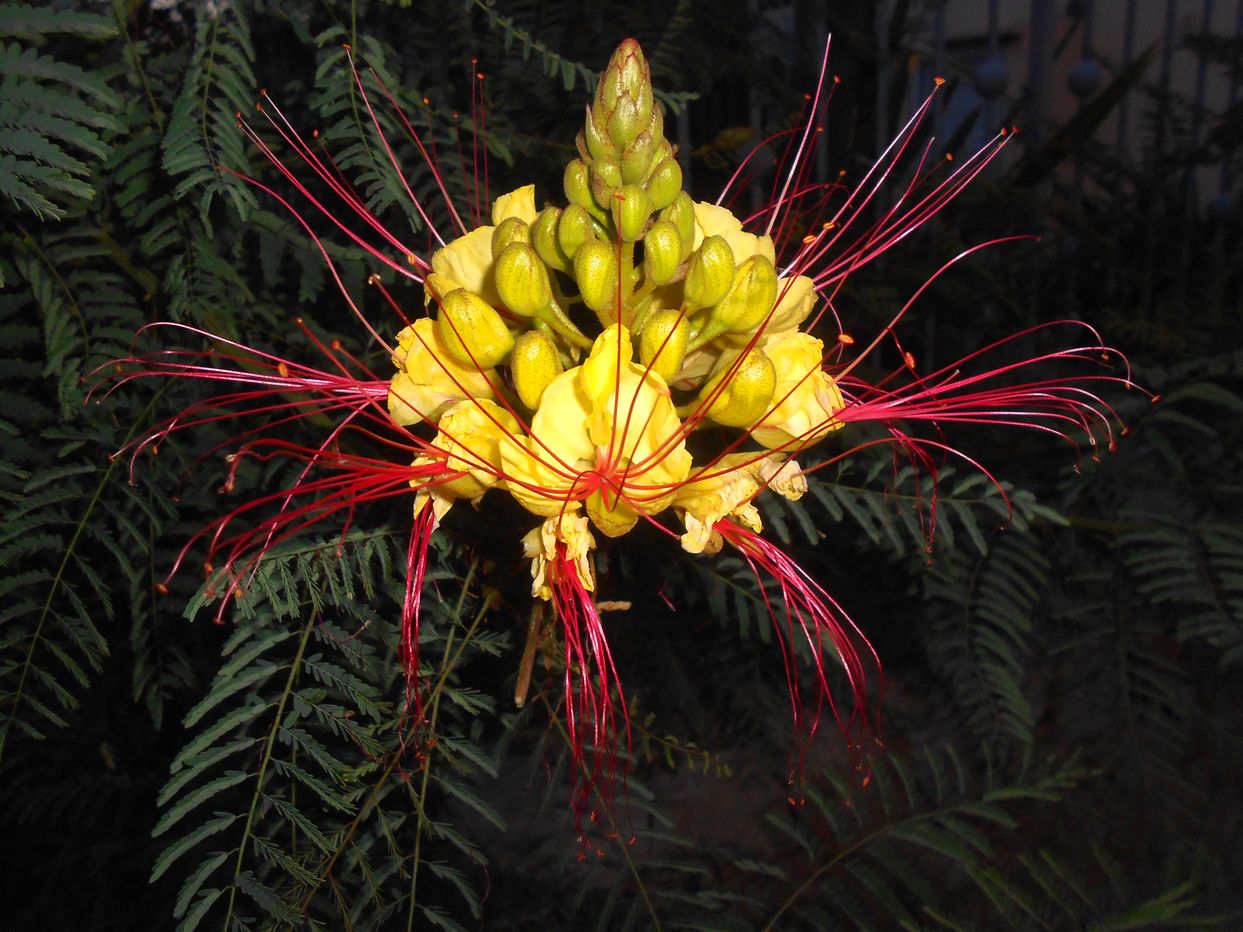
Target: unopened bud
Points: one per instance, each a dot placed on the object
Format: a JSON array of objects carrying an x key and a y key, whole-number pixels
[
  {"x": 656, "y": 125},
  {"x": 605, "y": 178},
  {"x": 746, "y": 389},
  {"x": 534, "y": 362},
  {"x": 544, "y": 239},
  {"x": 631, "y": 209},
  {"x": 665, "y": 184},
  {"x": 662, "y": 252},
  {"x": 626, "y": 73},
  {"x": 522, "y": 280},
  {"x": 750, "y": 298},
  {"x": 681, "y": 213},
  {"x": 626, "y": 121},
  {"x": 664, "y": 149},
  {"x": 624, "y": 97},
  {"x": 636, "y": 158},
  {"x": 472, "y": 331},
  {"x": 577, "y": 184},
  {"x": 710, "y": 274},
  {"x": 662, "y": 344},
  {"x": 510, "y": 230},
  {"x": 594, "y": 137},
  {"x": 595, "y": 270},
  {"x": 573, "y": 229}
]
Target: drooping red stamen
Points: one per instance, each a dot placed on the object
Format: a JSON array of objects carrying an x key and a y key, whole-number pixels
[
  {"x": 595, "y": 719},
  {"x": 416, "y": 569},
  {"x": 809, "y": 615}
]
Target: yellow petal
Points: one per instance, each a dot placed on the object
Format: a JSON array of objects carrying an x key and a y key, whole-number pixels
[
  {"x": 470, "y": 436},
  {"x": 724, "y": 489},
  {"x": 711, "y": 220},
  {"x": 795, "y": 299},
  {"x": 542, "y": 469},
  {"x": 468, "y": 262},
  {"x": 806, "y": 397},
  {"x": 519, "y": 203},
  {"x": 430, "y": 381}
]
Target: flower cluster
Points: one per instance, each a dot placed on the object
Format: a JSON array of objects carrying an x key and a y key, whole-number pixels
[{"x": 569, "y": 353}]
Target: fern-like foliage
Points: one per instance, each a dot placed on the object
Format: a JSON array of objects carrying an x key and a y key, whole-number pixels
[
  {"x": 870, "y": 852},
  {"x": 56, "y": 117},
  {"x": 318, "y": 784},
  {"x": 202, "y": 128},
  {"x": 986, "y": 612},
  {"x": 60, "y": 555}
]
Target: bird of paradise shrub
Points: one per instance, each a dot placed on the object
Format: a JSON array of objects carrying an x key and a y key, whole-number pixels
[{"x": 566, "y": 355}]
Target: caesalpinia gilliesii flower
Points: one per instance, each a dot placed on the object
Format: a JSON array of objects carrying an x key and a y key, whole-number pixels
[{"x": 567, "y": 356}]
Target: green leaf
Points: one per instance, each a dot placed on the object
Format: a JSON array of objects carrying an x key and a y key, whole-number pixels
[{"x": 201, "y": 833}]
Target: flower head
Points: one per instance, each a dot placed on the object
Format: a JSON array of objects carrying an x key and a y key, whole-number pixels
[{"x": 703, "y": 322}]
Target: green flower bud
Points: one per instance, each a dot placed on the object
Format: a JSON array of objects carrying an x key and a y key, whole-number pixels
[
  {"x": 577, "y": 184},
  {"x": 511, "y": 230},
  {"x": 605, "y": 178},
  {"x": 573, "y": 229},
  {"x": 533, "y": 363},
  {"x": 624, "y": 106},
  {"x": 472, "y": 331},
  {"x": 710, "y": 274},
  {"x": 627, "y": 75},
  {"x": 595, "y": 270},
  {"x": 544, "y": 239},
  {"x": 751, "y": 296},
  {"x": 746, "y": 389},
  {"x": 665, "y": 184},
  {"x": 636, "y": 158},
  {"x": 594, "y": 137},
  {"x": 626, "y": 121},
  {"x": 522, "y": 280},
  {"x": 656, "y": 125},
  {"x": 664, "y": 150},
  {"x": 631, "y": 209},
  {"x": 662, "y": 252},
  {"x": 681, "y": 213},
  {"x": 662, "y": 344}
]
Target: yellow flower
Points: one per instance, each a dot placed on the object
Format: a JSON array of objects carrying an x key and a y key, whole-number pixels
[
  {"x": 570, "y": 530},
  {"x": 466, "y": 262},
  {"x": 470, "y": 438},
  {"x": 806, "y": 397},
  {"x": 795, "y": 299},
  {"x": 607, "y": 427},
  {"x": 711, "y": 220},
  {"x": 428, "y": 380}
]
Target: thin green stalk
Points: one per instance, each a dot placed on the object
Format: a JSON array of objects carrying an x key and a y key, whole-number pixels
[
  {"x": 845, "y": 853},
  {"x": 267, "y": 757},
  {"x": 446, "y": 667},
  {"x": 378, "y": 788},
  {"x": 64, "y": 565}
]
